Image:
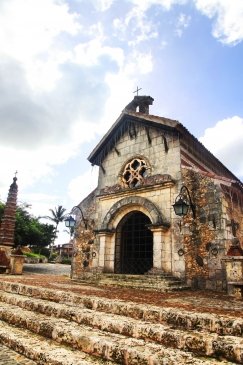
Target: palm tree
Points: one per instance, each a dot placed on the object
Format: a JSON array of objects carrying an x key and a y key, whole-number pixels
[{"x": 57, "y": 216}]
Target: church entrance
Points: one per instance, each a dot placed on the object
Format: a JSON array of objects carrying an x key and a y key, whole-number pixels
[{"x": 134, "y": 245}]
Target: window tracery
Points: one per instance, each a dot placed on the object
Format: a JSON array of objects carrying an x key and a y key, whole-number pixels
[{"x": 134, "y": 172}]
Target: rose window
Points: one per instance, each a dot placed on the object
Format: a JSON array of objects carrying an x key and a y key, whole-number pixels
[{"x": 134, "y": 173}]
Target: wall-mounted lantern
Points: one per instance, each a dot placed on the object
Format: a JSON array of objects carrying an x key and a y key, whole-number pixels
[
  {"x": 70, "y": 222},
  {"x": 183, "y": 202}
]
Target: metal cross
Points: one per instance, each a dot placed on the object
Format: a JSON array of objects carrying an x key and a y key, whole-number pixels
[
  {"x": 136, "y": 91},
  {"x": 16, "y": 173}
]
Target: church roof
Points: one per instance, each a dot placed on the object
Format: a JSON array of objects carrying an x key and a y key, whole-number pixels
[
  {"x": 120, "y": 126},
  {"x": 188, "y": 141}
]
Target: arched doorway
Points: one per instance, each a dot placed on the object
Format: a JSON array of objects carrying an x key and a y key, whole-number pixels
[{"x": 134, "y": 245}]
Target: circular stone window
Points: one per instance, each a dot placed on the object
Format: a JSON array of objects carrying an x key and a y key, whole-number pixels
[{"x": 134, "y": 173}]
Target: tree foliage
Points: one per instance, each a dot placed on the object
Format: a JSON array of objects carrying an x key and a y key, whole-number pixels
[
  {"x": 57, "y": 215},
  {"x": 29, "y": 231}
]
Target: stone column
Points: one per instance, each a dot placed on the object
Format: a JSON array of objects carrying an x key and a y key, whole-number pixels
[
  {"x": 106, "y": 251},
  {"x": 101, "y": 261},
  {"x": 161, "y": 250},
  {"x": 157, "y": 247},
  {"x": 9, "y": 217},
  {"x": 110, "y": 252}
]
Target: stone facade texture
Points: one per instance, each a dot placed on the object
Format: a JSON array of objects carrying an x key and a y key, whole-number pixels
[{"x": 190, "y": 248}]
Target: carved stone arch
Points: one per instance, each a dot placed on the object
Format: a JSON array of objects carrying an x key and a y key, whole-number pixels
[{"x": 121, "y": 208}]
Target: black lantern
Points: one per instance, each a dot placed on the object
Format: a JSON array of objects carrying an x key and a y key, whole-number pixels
[
  {"x": 181, "y": 205},
  {"x": 70, "y": 222}
]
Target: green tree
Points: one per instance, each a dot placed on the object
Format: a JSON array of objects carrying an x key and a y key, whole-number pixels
[
  {"x": 29, "y": 231},
  {"x": 1, "y": 210},
  {"x": 57, "y": 216}
]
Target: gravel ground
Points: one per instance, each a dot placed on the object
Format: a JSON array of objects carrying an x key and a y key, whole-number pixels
[{"x": 47, "y": 269}]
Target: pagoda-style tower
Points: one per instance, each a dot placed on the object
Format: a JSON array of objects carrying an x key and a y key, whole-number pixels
[{"x": 9, "y": 217}]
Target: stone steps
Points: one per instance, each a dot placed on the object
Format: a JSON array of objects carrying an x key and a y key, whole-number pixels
[
  {"x": 118, "y": 348},
  {"x": 162, "y": 283},
  {"x": 162, "y": 287},
  {"x": 222, "y": 325},
  {"x": 194, "y": 341},
  {"x": 114, "y": 331},
  {"x": 44, "y": 351}
]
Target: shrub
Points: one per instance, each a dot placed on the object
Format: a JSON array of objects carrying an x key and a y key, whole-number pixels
[
  {"x": 66, "y": 260},
  {"x": 35, "y": 255}
]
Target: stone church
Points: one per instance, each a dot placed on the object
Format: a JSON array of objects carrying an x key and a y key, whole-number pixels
[{"x": 149, "y": 167}]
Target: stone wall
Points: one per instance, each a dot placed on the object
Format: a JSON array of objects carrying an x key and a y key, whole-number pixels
[
  {"x": 161, "y": 163},
  {"x": 163, "y": 159},
  {"x": 188, "y": 248},
  {"x": 206, "y": 239}
]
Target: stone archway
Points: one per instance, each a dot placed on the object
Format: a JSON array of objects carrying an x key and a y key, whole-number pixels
[
  {"x": 118, "y": 210},
  {"x": 110, "y": 229},
  {"x": 134, "y": 244}
]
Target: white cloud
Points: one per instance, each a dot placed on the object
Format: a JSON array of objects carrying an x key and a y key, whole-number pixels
[
  {"x": 102, "y": 5},
  {"x": 135, "y": 26},
  {"x": 144, "y": 5},
  {"x": 28, "y": 34},
  {"x": 183, "y": 22},
  {"x": 224, "y": 140},
  {"x": 138, "y": 26},
  {"x": 89, "y": 53},
  {"x": 83, "y": 185},
  {"x": 228, "y": 15},
  {"x": 53, "y": 87}
]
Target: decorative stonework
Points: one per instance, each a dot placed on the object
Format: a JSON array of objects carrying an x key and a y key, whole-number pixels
[
  {"x": 148, "y": 181},
  {"x": 134, "y": 173},
  {"x": 8, "y": 221},
  {"x": 85, "y": 251},
  {"x": 151, "y": 208}
]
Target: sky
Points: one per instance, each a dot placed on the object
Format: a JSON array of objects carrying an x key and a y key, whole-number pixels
[{"x": 69, "y": 67}]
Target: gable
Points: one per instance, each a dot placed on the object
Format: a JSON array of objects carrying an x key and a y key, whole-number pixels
[
  {"x": 128, "y": 122},
  {"x": 193, "y": 153}
]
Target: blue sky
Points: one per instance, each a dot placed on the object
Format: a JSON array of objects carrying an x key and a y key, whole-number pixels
[{"x": 69, "y": 67}]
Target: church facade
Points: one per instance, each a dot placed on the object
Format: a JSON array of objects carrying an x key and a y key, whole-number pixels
[{"x": 147, "y": 164}]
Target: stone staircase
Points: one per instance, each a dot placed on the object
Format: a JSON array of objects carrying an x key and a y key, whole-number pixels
[
  {"x": 162, "y": 282},
  {"x": 62, "y": 328}
]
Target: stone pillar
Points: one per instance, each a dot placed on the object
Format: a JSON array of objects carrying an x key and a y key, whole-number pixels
[
  {"x": 161, "y": 250},
  {"x": 16, "y": 264},
  {"x": 109, "y": 252},
  {"x": 157, "y": 248},
  {"x": 106, "y": 251},
  {"x": 8, "y": 221},
  {"x": 101, "y": 260},
  {"x": 234, "y": 275}
]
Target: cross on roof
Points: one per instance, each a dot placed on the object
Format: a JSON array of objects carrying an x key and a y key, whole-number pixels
[
  {"x": 16, "y": 173},
  {"x": 136, "y": 91}
]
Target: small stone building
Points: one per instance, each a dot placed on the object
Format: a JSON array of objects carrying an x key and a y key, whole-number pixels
[{"x": 129, "y": 224}]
